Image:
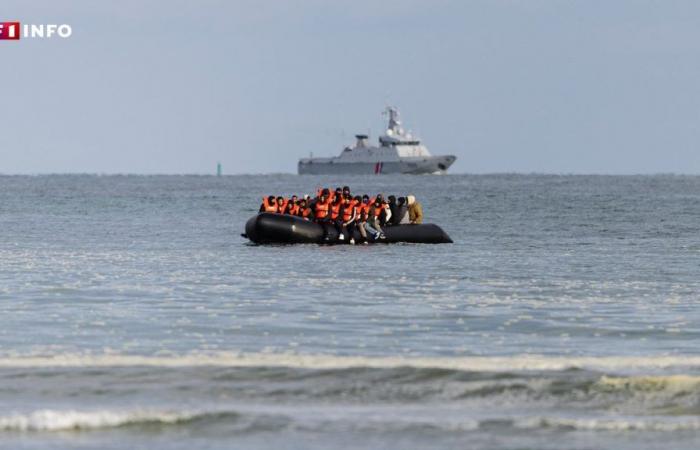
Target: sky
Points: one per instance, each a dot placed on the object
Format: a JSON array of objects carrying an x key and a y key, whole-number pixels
[{"x": 170, "y": 86}]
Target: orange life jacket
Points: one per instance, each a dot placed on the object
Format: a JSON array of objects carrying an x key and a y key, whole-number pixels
[
  {"x": 335, "y": 210},
  {"x": 281, "y": 207},
  {"x": 293, "y": 210},
  {"x": 349, "y": 211},
  {"x": 268, "y": 207},
  {"x": 322, "y": 209},
  {"x": 363, "y": 210},
  {"x": 378, "y": 211},
  {"x": 305, "y": 213}
]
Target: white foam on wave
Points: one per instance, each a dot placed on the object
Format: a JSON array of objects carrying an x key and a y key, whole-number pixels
[
  {"x": 609, "y": 424},
  {"x": 56, "y": 420},
  {"x": 674, "y": 384},
  {"x": 330, "y": 362}
]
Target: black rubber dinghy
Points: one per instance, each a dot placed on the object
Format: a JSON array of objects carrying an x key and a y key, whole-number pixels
[{"x": 270, "y": 228}]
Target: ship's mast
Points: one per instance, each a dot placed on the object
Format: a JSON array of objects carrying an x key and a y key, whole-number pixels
[{"x": 394, "y": 122}]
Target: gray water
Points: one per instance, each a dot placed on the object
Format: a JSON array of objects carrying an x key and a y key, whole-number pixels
[{"x": 565, "y": 315}]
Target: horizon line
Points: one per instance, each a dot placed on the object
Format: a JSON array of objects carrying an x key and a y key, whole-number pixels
[{"x": 208, "y": 174}]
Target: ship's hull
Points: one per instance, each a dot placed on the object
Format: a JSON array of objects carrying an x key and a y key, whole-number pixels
[{"x": 415, "y": 166}]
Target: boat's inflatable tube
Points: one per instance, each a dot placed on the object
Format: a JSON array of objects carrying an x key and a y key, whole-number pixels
[{"x": 270, "y": 228}]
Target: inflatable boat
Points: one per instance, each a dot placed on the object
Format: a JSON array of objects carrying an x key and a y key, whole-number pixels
[{"x": 271, "y": 228}]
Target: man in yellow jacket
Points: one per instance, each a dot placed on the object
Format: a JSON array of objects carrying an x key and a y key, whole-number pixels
[{"x": 415, "y": 210}]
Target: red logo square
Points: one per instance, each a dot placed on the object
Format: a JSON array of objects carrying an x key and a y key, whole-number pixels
[{"x": 9, "y": 31}]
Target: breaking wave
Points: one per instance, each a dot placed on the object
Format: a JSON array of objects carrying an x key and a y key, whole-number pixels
[
  {"x": 331, "y": 362},
  {"x": 54, "y": 420},
  {"x": 48, "y": 420},
  {"x": 623, "y": 424}
]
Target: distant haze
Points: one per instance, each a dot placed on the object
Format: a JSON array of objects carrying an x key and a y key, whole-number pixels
[{"x": 506, "y": 85}]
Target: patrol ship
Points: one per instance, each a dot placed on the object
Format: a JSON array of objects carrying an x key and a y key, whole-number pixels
[{"x": 398, "y": 152}]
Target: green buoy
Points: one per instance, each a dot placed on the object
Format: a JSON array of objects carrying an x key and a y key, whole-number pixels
[{"x": 218, "y": 169}]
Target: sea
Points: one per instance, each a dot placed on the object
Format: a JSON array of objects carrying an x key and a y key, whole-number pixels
[{"x": 133, "y": 314}]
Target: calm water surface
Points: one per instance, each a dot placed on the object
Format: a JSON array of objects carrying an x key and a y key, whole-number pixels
[{"x": 134, "y": 315}]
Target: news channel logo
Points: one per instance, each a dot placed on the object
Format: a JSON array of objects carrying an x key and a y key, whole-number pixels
[{"x": 14, "y": 31}]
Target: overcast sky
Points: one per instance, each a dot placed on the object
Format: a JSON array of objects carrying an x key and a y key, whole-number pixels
[{"x": 506, "y": 85}]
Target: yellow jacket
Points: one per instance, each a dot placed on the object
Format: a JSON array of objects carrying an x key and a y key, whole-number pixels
[{"x": 415, "y": 210}]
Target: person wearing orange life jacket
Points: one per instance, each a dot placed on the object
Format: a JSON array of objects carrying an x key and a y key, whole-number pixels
[
  {"x": 376, "y": 210},
  {"x": 363, "y": 215},
  {"x": 269, "y": 204},
  {"x": 321, "y": 208},
  {"x": 361, "y": 212},
  {"x": 281, "y": 204},
  {"x": 384, "y": 213},
  {"x": 304, "y": 211},
  {"x": 335, "y": 207},
  {"x": 347, "y": 218},
  {"x": 292, "y": 206}
]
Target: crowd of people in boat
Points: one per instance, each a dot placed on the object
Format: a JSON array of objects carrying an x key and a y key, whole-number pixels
[{"x": 347, "y": 213}]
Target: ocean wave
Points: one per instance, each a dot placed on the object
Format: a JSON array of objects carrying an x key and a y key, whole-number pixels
[
  {"x": 676, "y": 384},
  {"x": 48, "y": 420},
  {"x": 608, "y": 424},
  {"x": 56, "y": 420},
  {"x": 332, "y": 362}
]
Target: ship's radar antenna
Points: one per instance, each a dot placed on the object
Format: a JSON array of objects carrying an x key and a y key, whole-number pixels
[{"x": 394, "y": 121}]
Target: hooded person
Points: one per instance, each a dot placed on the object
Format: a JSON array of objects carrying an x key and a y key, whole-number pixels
[
  {"x": 392, "y": 208},
  {"x": 415, "y": 210},
  {"x": 269, "y": 204},
  {"x": 400, "y": 215}
]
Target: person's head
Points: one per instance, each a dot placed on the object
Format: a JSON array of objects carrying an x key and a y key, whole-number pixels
[
  {"x": 302, "y": 203},
  {"x": 365, "y": 198},
  {"x": 347, "y": 199},
  {"x": 339, "y": 190},
  {"x": 401, "y": 201},
  {"x": 392, "y": 199},
  {"x": 346, "y": 190},
  {"x": 324, "y": 194},
  {"x": 338, "y": 199},
  {"x": 280, "y": 199},
  {"x": 271, "y": 199},
  {"x": 358, "y": 199},
  {"x": 294, "y": 198},
  {"x": 380, "y": 198},
  {"x": 411, "y": 199}
]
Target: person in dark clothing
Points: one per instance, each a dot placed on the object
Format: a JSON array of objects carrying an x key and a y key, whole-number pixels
[
  {"x": 400, "y": 215},
  {"x": 392, "y": 208}
]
